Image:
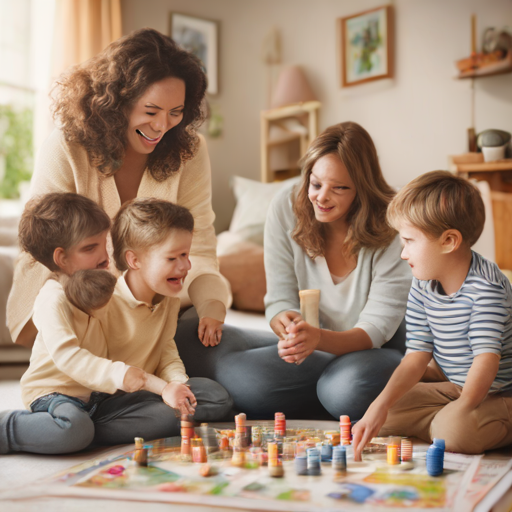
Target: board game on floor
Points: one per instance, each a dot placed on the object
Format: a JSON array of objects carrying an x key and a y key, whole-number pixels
[{"x": 269, "y": 466}]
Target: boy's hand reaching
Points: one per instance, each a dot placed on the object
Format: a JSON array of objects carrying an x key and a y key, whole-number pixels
[
  {"x": 367, "y": 428},
  {"x": 210, "y": 331},
  {"x": 178, "y": 396}
]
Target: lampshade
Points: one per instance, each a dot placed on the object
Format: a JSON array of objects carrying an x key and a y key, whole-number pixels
[{"x": 292, "y": 87}]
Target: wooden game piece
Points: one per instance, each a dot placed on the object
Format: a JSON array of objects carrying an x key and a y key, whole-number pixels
[
  {"x": 140, "y": 455},
  {"x": 309, "y": 304},
  {"x": 345, "y": 430},
  {"x": 198, "y": 450}
]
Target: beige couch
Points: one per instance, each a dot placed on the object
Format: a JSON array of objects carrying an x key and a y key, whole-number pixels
[{"x": 11, "y": 355}]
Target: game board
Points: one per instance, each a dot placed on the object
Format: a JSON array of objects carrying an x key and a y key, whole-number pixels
[{"x": 167, "y": 478}]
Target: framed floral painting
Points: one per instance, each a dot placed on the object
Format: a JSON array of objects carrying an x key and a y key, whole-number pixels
[{"x": 366, "y": 46}]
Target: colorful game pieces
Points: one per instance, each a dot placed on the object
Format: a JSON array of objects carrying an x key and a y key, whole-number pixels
[
  {"x": 406, "y": 450},
  {"x": 435, "y": 457},
  {"x": 187, "y": 433},
  {"x": 392, "y": 454},
  {"x": 140, "y": 455},
  {"x": 345, "y": 430},
  {"x": 198, "y": 450},
  {"x": 238, "y": 458},
  {"x": 279, "y": 424},
  {"x": 313, "y": 456},
  {"x": 339, "y": 459},
  {"x": 326, "y": 451},
  {"x": 208, "y": 470},
  {"x": 275, "y": 464}
]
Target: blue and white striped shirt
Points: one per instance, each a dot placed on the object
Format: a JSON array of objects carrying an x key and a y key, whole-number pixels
[{"x": 456, "y": 328}]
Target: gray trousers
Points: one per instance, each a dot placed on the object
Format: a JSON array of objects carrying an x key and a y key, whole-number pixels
[
  {"x": 247, "y": 364},
  {"x": 62, "y": 424}
]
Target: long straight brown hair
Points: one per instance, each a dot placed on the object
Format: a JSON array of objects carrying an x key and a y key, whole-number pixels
[{"x": 367, "y": 214}]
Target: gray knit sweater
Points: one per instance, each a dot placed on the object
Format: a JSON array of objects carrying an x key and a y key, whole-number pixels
[{"x": 373, "y": 298}]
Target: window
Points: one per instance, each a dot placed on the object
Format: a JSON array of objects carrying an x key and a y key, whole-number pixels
[{"x": 26, "y": 28}]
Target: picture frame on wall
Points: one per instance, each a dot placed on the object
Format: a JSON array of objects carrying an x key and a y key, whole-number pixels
[
  {"x": 367, "y": 46},
  {"x": 200, "y": 37}
]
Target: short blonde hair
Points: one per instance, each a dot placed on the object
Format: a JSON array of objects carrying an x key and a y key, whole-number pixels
[
  {"x": 145, "y": 222},
  {"x": 437, "y": 201}
]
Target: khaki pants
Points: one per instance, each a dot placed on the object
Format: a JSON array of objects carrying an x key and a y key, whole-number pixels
[{"x": 430, "y": 409}]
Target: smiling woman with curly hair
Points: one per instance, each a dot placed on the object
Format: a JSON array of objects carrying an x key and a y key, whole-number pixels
[
  {"x": 94, "y": 101},
  {"x": 127, "y": 127}
]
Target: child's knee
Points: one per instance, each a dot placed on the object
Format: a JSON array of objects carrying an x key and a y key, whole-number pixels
[
  {"x": 214, "y": 403},
  {"x": 460, "y": 432},
  {"x": 76, "y": 428}
]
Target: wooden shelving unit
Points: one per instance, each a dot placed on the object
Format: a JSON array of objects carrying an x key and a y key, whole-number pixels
[
  {"x": 309, "y": 109},
  {"x": 499, "y": 176},
  {"x": 496, "y": 68}
]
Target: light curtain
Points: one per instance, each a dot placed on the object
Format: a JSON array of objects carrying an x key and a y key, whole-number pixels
[{"x": 83, "y": 28}]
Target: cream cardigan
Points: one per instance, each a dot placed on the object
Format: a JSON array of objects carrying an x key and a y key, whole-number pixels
[{"x": 65, "y": 167}]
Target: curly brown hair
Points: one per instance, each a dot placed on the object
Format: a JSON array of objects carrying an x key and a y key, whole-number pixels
[
  {"x": 93, "y": 101},
  {"x": 367, "y": 214}
]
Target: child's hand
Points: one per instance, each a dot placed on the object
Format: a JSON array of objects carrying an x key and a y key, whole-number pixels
[
  {"x": 179, "y": 396},
  {"x": 300, "y": 341},
  {"x": 367, "y": 428},
  {"x": 210, "y": 331},
  {"x": 134, "y": 379},
  {"x": 282, "y": 320}
]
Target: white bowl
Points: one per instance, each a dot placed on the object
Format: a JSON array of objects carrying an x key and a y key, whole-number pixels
[{"x": 493, "y": 153}]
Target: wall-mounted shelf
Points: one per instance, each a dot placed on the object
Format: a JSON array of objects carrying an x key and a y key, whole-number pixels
[
  {"x": 307, "y": 110},
  {"x": 499, "y": 176},
  {"x": 496, "y": 68}
]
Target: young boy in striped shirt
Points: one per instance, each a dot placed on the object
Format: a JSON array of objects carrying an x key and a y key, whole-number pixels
[{"x": 455, "y": 381}]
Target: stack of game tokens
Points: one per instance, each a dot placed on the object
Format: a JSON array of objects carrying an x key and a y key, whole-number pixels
[
  {"x": 339, "y": 459},
  {"x": 325, "y": 451},
  {"x": 140, "y": 456},
  {"x": 406, "y": 450},
  {"x": 241, "y": 430},
  {"x": 392, "y": 454},
  {"x": 301, "y": 465},
  {"x": 313, "y": 463},
  {"x": 345, "y": 430},
  {"x": 333, "y": 436},
  {"x": 238, "y": 458},
  {"x": 279, "y": 425},
  {"x": 435, "y": 457},
  {"x": 256, "y": 436},
  {"x": 198, "y": 450},
  {"x": 187, "y": 433},
  {"x": 275, "y": 464}
]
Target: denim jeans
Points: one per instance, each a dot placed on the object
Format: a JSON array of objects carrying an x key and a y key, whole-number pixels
[
  {"x": 65, "y": 424},
  {"x": 324, "y": 386}
]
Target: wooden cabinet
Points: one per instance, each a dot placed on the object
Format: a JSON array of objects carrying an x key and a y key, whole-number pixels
[
  {"x": 499, "y": 176},
  {"x": 307, "y": 114}
]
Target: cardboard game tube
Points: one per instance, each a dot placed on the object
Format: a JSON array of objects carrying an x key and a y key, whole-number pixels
[{"x": 309, "y": 305}]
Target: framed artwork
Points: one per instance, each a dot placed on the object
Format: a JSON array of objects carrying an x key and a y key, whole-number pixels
[
  {"x": 366, "y": 46},
  {"x": 200, "y": 37}
]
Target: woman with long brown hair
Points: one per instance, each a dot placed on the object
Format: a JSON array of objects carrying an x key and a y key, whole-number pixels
[
  {"x": 330, "y": 233},
  {"x": 327, "y": 232}
]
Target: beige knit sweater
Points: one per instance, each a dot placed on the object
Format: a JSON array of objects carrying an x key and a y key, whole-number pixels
[{"x": 65, "y": 167}]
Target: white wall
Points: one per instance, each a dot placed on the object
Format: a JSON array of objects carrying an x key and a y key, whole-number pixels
[{"x": 416, "y": 119}]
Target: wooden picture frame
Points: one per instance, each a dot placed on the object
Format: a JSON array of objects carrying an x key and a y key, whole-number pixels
[
  {"x": 201, "y": 37},
  {"x": 367, "y": 46}
]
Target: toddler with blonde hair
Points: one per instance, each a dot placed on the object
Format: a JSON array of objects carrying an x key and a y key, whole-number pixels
[{"x": 459, "y": 326}]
